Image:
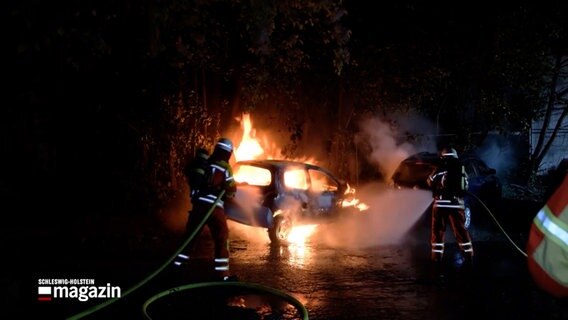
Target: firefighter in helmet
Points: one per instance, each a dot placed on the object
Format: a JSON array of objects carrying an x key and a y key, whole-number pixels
[
  {"x": 195, "y": 175},
  {"x": 449, "y": 184},
  {"x": 218, "y": 177}
]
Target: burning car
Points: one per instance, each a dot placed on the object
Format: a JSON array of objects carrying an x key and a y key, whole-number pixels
[{"x": 281, "y": 194}]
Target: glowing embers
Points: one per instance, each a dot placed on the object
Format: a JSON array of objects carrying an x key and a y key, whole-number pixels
[{"x": 252, "y": 175}]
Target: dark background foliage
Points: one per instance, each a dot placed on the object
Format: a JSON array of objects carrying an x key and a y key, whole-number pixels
[{"x": 105, "y": 100}]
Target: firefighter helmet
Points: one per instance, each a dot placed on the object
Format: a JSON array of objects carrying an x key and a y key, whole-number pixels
[
  {"x": 225, "y": 144},
  {"x": 449, "y": 153}
]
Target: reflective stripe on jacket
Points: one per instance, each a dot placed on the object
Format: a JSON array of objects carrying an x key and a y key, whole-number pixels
[
  {"x": 547, "y": 248},
  {"x": 220, "y": 177},
  {"x": 457, "y": 203}
]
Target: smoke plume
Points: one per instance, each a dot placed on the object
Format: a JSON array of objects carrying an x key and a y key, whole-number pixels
[{"x": 390, "y": 143}]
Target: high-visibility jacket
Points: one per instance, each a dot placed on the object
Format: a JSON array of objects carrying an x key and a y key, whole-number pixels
[
  {"x": 449, "y": 180},
  {"x": 547, "y": 248},
  {"x": 219, "y": 176}
]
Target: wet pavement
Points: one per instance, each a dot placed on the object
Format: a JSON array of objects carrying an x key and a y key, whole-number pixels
[{"x": 345, "y": 270}]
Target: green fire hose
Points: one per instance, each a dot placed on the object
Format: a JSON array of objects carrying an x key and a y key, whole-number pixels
[{"x": 276, "y": 292}]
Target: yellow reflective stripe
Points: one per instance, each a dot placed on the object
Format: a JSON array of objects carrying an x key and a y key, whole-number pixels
[{"x": 553, "y": 227}]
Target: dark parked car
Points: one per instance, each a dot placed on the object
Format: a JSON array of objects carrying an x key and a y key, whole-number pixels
[
  {"x": 278, "y": 194},
  {"x": 483, "y": 182}
]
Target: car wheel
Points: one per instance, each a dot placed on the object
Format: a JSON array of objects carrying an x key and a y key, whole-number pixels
[{"x": 280, "y": 229}]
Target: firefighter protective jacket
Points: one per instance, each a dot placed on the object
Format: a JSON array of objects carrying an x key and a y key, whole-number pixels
[
  {"x": 219, "y": 176},
  {"x": 195, "y": 172},
  {"x": 449, "y": 181},
  {"x": 547, "y": 248}
]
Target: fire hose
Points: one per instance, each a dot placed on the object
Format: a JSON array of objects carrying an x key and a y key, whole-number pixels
[
  {"x": 497, "y": 222},
  {"x": 293, "y": 301}
]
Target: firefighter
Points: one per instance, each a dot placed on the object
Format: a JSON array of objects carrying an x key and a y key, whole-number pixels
[
  {"x": 218, "y": 177},
  {"x": 547, "y": 248},
  {"x": 195, "y": 175},
  {"x": 449, "y": 183}
]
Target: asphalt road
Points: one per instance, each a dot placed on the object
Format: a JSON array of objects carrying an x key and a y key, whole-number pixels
[{"x": 369, "y": 266}]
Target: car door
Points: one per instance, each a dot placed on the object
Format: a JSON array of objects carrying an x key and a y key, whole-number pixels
[
  {"x": 255, "y": 187},
  {"x": 323, "y": 191}
]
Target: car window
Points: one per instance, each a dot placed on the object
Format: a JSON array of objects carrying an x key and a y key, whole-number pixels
[
  {"x": 321, "y": 181},
  {"x": 252, "y": 175},
  {"x": 296, "y": 178}
]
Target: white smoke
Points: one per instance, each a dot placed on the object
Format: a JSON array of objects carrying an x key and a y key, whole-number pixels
[
  {"x": 390, "y": 143},
  {"x": 392, "y": 213},
  {"x": 501, "y": 153}
]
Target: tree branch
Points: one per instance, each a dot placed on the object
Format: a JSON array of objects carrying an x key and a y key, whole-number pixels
[
  {"x": 553, "y": 135},
  {"x": 549, "y": 105}
]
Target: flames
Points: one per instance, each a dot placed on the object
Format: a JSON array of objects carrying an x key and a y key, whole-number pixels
[
  {"x": 250, "y": 147},
  {"x": 253, "y": 147},
  {"x": 351, "y": 201},
  {"x": 299, "y": 234}
]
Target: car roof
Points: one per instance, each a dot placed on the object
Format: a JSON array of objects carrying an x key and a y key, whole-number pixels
[
  {"x": 432, "y": 158},
  {"x": 277, "y": 163},
  {"x": 274, "y": 163},
  {"x": 423, "y": 157}
]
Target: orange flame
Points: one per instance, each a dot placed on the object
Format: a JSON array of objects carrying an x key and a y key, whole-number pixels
[
  {"x": 252, "y": 147},
  {"x": 351, "y": 201},
  {"x": 299, "y": 234},
  {"x": 249, "y": 148}
]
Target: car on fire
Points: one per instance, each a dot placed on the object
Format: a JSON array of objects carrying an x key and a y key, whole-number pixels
[
  {"x": 280, "y": 194},
  {"x": 483, "y": 182}
]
